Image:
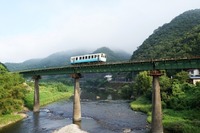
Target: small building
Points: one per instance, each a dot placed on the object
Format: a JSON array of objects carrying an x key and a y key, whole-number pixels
[
  {"x": 194, "y": 75},
  {"x": 193, "y": 72},
  {"x": 195, "y": 79},
  {"x": 108, "y": 77}
]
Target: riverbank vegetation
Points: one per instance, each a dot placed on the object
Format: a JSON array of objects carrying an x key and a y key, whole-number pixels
[
  {"x": 9, "y": 118},
  {"x": 49, "y": 92},
  {"x": 13, "y": 91},
  {"x": 17, "y": 94},
  {"x": 180, "y": 101}
]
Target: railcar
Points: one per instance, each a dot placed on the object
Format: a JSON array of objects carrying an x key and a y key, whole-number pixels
[{"x": 88, "y": 58}]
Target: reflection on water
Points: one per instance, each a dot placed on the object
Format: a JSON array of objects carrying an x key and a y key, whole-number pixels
[
  {"x": 36, "y": 121},
  {"x": 109, "y": 97},
  {"x": 97, "y": 117}
]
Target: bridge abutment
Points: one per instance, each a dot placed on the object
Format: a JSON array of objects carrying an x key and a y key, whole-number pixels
[
  {"x": 156, "y": 124},
  {"x": 76, "y": 103},
  {"x": 36, "y": 106}
]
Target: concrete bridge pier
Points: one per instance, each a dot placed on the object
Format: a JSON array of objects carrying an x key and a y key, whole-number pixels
[
  {"x": 76, "y": 104},
  {"x": 156, "y": 124},
  {"x": 36, "y": 106}
]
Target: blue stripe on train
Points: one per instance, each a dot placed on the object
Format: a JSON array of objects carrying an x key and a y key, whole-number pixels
[{"x": 85, "y": 60}]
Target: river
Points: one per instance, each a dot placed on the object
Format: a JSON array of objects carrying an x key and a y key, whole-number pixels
[{"x": 113, "y": 116}]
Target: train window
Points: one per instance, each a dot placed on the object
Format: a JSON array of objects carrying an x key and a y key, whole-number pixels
[
  {"x": 80, "y": 58},
  {"x": 76, "y": 58},
  {"x": 103, "y": 55},
  {"x": 88, "y": 57},
  {"x": 92, "y": 56},
  {"x": 85, "y": 57},
  {"x": 95, "y": 56}
]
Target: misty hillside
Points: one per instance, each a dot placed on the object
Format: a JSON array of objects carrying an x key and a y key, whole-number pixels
[
  {"x": 63, "y": 58},
  {"x": 177, "y": 39},
  {"x": 113, "y": 56},
  {"x": 3, "y": 68},
  {"x": 53, "y": 60}
]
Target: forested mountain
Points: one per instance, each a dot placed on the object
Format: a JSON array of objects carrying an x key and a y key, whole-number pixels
[
  {"x": 63, "y": 59},
  {"x": 53, "y": 60},
  {"x": 113, "y": 56},
  {"x": 3, "y": 68},
  {"x": 177, "y": 39}
]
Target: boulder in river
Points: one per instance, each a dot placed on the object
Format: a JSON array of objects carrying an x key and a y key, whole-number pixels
[{"x": 72, "y": 128}]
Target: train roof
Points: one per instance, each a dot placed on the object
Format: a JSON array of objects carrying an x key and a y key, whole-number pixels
[{"x": 87, "y": 54}]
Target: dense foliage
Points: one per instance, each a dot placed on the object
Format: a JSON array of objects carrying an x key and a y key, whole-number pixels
[
  {"x": 176, "y": 93},
  {"x": 12, "y": 91},
  {"x": 177, "y": 39},
  {"x": 3, "y": 68},
  {"x": 142, "y": 85},
  {"x": 180, "y": 101}
]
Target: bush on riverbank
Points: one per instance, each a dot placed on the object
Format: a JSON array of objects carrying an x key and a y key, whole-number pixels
[
  {"x": 12, "y": 90},
  {"x": 49, "y": 92},
  {"x": 180, "y": 102},
  {"x": 183, "y": 121}
]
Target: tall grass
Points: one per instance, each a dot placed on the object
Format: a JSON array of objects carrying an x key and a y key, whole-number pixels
[
  {"x": 7, "y": 119},
  {"x": 48, "y": 94},
  {"x": 142, "y": 105},
  {"x": 184, "y": 121}
]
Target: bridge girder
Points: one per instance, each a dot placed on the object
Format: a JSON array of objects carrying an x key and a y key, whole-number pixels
[{"x": 164, "y": 64}]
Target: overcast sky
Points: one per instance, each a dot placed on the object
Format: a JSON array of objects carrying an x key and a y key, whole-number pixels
[{"x": 37, "y": 28}]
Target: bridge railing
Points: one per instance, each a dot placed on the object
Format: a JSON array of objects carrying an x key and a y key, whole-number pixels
[{"x": 128, "y": 66}]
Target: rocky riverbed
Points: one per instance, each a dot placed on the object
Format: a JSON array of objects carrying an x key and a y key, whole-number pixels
[{"x": 106, "y": 116}]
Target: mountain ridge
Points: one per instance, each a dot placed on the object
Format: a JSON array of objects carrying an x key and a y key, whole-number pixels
[
  {"x": 63, "y": 59},
  {"x": 165, "y": 42}
]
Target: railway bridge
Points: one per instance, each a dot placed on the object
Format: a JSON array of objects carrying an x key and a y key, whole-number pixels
[{"x": 76, "y": 71}]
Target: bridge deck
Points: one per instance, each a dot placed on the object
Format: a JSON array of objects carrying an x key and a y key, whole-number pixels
[{"x": 158, "y": 64}]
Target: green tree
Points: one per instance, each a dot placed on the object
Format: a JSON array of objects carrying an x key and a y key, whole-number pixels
[
  {"x": 3, "y": 68},
  {"x": 126, "y": 91},
  {"x": 166, "y": 89},
  {"x": 142, "y": 85},
  {"x": 12, "y": 92},
  {"x": 177, "y": 96},
  {"x": 181, "y": 77}
]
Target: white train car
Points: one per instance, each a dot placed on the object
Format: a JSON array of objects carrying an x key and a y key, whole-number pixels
[{"x": 88, "y": 58}]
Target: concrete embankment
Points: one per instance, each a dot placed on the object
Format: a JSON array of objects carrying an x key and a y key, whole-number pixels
[{"x": 72, "y": 128}]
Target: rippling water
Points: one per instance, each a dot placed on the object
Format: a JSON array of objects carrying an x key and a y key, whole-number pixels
[{"x": 114, "y": 116}]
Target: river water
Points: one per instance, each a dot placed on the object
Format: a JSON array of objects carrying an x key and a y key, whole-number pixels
[{"x": 113, "y": 116}]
